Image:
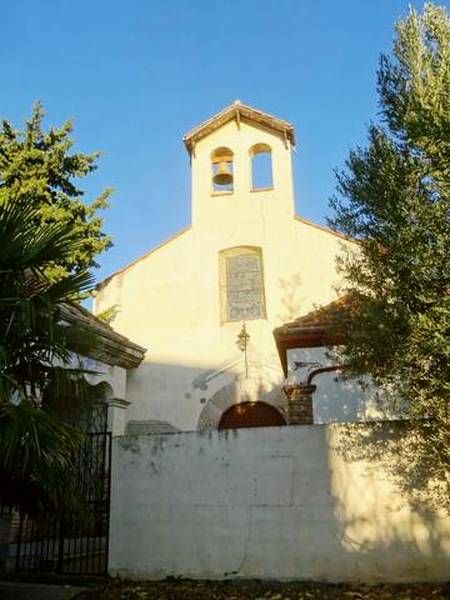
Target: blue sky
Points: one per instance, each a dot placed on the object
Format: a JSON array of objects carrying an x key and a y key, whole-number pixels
[{"x": 136, "y": 75}]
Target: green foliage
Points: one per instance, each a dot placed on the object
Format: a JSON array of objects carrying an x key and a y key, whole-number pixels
[
  {"x": 109, "y": 314},
  {"x": 37, "y": 466},
  {"x": 394, "y": 196},
  {"x": 42, "y": 390},
  {"x": 39, "y": 165}
]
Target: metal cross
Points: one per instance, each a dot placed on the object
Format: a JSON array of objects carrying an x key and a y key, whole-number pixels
[{"x": 243, "y": 339}]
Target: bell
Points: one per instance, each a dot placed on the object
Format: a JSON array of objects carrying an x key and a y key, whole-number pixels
[{"x": 223, "y": 175}]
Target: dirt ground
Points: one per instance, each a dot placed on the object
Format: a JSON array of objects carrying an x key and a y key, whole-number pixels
[{"x": 186, "y": 590}]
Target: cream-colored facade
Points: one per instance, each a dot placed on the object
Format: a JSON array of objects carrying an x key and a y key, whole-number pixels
[{"x": 173, "y": 299}]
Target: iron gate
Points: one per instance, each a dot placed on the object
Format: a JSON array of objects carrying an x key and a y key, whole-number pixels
[{"x": 68, "y": 544}]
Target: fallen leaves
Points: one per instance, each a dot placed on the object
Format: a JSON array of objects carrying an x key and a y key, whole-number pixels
[{"x": 184, "y": 589}]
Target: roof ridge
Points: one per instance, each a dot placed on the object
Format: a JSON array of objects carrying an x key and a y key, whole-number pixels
[
  {"x": 326, "y": 229},
  {"x": 229, "y": 112}
]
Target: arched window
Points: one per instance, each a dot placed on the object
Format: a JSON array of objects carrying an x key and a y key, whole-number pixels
[
  {"x": 222, "y": 170},
  {"x": 261, "y": 163},
  {"x": 242, "y": 284}
]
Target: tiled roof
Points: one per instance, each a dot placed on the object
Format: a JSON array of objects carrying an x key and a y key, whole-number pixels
[
  {"x": 238, "y": 111},
  {"x": 320, "y": 327}
]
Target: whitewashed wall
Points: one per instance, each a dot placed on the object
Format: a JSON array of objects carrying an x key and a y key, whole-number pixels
[
  {"x": 170, "y": 299},
  {"x": 284, "y": 503},
  {"x": 338, "y": 400}
]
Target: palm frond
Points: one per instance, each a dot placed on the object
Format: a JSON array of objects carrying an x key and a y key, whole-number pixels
[
  {"x": 42, "y": 389},
  {"x": 37, "y": 451},
  {"x": 24, "y": 244}
]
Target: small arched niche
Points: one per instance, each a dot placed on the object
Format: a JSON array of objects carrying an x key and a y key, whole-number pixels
[
  {"x": 251, "y": 414},
  {"x": 261, "y": 167},
  {"x": 222, "y": 171}
]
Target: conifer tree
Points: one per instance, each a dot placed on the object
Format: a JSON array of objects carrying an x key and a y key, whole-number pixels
[{"x": 38, "y": 164}]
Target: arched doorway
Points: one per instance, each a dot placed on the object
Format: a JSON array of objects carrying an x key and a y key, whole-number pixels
[{"x": 251, "y": 414}]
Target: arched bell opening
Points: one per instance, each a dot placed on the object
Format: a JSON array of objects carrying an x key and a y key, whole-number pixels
[
  {"x": 261, "y": 167},
  {"x": 251, "y": 414},
  {"x": 222, "y": 170}
]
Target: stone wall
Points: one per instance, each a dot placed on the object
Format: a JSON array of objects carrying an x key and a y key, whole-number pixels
[{"x": 273, "y": 503}]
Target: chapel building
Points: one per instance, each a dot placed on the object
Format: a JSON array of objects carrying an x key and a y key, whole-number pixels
[{"x": 206, "y": 302}]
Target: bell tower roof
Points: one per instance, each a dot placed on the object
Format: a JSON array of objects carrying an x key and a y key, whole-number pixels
[{"x": 238, "y": 111}]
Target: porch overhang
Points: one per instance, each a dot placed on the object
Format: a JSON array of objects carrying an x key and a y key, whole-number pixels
[
  {"x": 110, "y": 347},
  {"x": 319, "y": 328}
]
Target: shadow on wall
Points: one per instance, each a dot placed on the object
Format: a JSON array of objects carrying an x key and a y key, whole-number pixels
[
  {"x": 249, "y": 390},
  {"x": 373, "y": 474},
  {"x": 285, "y": 503},
  {"x": 339, "y": 399},
  {"x": 406, "y": 460},
  {"x": 170, "y": 398},
  {"x": 191, "y": 398},
  {"x": 292, "y": 298}
]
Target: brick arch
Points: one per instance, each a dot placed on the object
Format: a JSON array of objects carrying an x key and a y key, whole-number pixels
[
  {"x": 230, "y": 395},
  {"x": 251, "y": 414}
]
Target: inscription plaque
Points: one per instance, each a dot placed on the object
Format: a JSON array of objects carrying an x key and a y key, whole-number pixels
[{"x": 245, "y": 300}]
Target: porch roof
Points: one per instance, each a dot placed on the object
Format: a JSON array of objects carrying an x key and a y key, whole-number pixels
[
  {"x": 112, "y": 347},
  {"x": 315, "y": 329}
]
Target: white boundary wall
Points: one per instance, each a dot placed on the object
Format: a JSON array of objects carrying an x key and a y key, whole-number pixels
[{"x": 275, "y": 503}]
